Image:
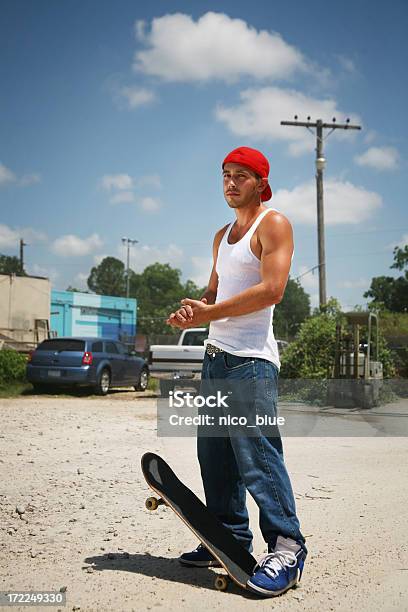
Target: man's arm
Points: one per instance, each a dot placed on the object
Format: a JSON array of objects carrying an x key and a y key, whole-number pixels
[
  {"x": 210, "y": 294},
  {"x": 276, "y": 238}
]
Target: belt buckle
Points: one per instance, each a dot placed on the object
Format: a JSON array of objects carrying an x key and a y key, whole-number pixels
[{"x": 212, "y": 350}]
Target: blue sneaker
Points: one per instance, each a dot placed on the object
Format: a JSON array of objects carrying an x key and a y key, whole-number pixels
[
  {"x": 199, "y": 557},
  {"x": 280, "y": 570}
]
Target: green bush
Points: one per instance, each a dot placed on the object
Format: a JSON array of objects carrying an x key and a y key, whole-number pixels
[
  {"x": 386, "y": 356},
  {"x": 12, "y": 367},
  {"x": 311, "y": 355}
]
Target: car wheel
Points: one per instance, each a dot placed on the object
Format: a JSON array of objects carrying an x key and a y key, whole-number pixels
[
  {"x": 143, "y": 380},
  {"x": 103, "y": 384}
]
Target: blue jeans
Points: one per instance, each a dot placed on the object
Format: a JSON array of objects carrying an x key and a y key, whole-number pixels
[{"x": 231, "y": 464}]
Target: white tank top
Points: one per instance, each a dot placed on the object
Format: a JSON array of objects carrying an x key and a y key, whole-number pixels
[{"x": 249, "y": 335}]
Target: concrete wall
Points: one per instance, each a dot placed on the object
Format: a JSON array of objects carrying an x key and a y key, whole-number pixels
[{"x": 23, "y": 299}]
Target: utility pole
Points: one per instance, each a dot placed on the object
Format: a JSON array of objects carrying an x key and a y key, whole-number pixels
[
  {"x": 128, "y": 242},
  {"x": 22, "y": 245},
  {"x": 319, "y": 125}
]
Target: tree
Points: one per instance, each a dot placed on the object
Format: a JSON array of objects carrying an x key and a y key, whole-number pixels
[
  {"x": 400, "y": 258},
  {"x": 109, "y": 278},
  {"x": 10, "y": 265},
  {"x": 158, "y": 290},
  {"x": 291, "y": 311},
  {"x": 75, "y": 290},
  {"x": 388, "y": 292},
  {"x": 192, "y": 291}
]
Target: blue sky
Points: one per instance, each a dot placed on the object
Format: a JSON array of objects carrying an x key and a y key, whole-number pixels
[{"x": 115, "y": 118}]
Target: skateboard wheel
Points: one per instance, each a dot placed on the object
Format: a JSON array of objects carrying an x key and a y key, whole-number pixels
[
  {"x": 152, "y": 503},
  {"x": 221, "y": 583}
]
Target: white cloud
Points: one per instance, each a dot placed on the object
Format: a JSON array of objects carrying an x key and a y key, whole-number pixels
[
  {"x": 400, "y": 244},
  {"x": 99, "y": 258},
  {"x": 123, "y": 197},
  {"x": 30, "y": 179},
  {"x": 145, "y": 255},
  {"x": 260, "y": 112},
  {"x": 310, "y": 280},
  {"x": 150, "y": 204},
  {"x": 31, "y": 235},
  {"x": 354, "y": 284},
  {"x": 147, "y": 203},
  {"x": 137, "y": 96},
  {"x": 140, "y": 29},
  {"x": 150, "y": 180},
  {"x": 347, "y": 64},
  {"x": 10, "y": 238},
  {"x": 50, "y": 273},
  {"x": 74, "y": 246},
  {"x": 81, "y": 280},
  {"x": 344, "y": 203},
  {"x": 379, "y": 158},
  {"x": 6, "y": 175},
  {"x": 116, "y": 181},
  {"x": 370, "y": 136},
  {"x": 125, "y": 187},
  {"x": 314, "y": 300},
  {"x": 201, "y": 270},
  {"x": 404, "y": 241},
  {"x": 181, "y": 49}
]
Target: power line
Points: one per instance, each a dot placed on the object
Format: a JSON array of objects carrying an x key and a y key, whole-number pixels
[{"x": 377, "y": 231}]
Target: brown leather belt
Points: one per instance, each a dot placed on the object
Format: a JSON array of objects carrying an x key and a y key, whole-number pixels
[{"x": 210, "y": 349}]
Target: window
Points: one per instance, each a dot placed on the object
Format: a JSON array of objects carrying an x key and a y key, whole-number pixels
[
  {"x": 97, "y": 347},
  {"x": 59, "y": 345},
  {"x": 122, "y": 350},
  {"x": 195, "y": 338},
  {"x": 111, "y": 348}
]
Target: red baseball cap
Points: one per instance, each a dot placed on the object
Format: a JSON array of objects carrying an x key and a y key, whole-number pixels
[{"x": 253, "y": 159}]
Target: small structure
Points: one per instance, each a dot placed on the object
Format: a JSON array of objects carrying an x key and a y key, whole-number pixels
[
  {"x": 24, "y": 310},
  {"x": 357, "y": 375},
  {"x": 86, "y": 314}
]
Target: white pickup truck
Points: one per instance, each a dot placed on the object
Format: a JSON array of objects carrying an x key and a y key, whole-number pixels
[{"x": 179, "y": 365}]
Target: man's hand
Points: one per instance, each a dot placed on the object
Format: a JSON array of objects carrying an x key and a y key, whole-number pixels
[{"x": 189, "y": 314}]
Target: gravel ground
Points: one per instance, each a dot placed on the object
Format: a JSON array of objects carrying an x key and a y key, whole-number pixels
[{"x": 71, "y": 466}]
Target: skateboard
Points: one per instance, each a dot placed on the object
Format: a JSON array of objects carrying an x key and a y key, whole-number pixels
[{"x": 234, "y": 558}]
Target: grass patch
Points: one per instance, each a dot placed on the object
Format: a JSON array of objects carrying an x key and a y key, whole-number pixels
[
  {"x": 15, "y": 389},
  {"x": 153, "y": 384}
]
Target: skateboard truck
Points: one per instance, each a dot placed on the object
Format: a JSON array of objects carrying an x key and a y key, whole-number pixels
[
  {"x": 221, "y": 583},
  {"x": 152, "y": 503}
]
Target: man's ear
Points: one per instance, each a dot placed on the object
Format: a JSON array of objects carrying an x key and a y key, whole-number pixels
[{"x": 262, "y": 184}]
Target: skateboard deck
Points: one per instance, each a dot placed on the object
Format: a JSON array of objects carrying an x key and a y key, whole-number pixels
[{"x": 234, "y": 558}]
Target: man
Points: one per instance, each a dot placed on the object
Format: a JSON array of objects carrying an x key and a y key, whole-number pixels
[{"x": 252, "y": 259}]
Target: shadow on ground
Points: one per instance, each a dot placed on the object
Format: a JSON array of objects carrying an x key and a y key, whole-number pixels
[{"x": 164, "y": 569}]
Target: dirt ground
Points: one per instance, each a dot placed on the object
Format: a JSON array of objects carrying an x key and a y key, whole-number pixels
[{"x": 72, "y": 467}]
